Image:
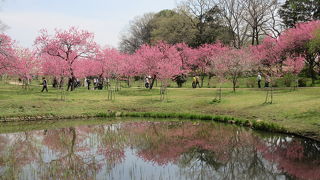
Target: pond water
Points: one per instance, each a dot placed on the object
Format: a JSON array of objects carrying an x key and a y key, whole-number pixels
[{"x": 152, "y": 149}]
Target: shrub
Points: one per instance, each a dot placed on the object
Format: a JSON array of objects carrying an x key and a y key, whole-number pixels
[
  {"x": 302, "y": 82},
  {"x": 251, "y": 82},
  {"x": 288, "y": 80},
  {"x": 180, "y": 79}
]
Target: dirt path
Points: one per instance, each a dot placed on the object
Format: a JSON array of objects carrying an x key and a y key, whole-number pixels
[{"x": 15, "y": 83}]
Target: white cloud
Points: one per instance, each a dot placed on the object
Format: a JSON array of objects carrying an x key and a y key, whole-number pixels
[{"x": 24, "y": 26}]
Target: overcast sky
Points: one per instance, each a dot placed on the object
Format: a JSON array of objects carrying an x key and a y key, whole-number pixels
[{"x": 105, "y": 18}]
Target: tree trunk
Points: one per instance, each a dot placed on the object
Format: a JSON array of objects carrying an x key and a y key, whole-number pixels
[
  {"x": 312, "y": 73},
  {"x": 128, "y": 81},
  {"x": 220, "y": 93},
  {"x": 253, "y": 34},
  {"x": 234, "y": 83},
  {"x": 257, "y": 36},
  {"x": 202, "y": 79},
  {"x": 152, "y": 82}
]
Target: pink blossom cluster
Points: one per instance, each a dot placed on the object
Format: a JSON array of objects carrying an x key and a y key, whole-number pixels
[{"x": 73, "y": 53}]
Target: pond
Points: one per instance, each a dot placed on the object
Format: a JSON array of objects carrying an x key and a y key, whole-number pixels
[{"x": 151, "y": 149}]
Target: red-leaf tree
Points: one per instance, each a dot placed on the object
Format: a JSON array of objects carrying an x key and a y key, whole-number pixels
[{"x": 70, "y": 45}]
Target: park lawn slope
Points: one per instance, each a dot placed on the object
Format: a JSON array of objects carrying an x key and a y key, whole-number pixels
[{"x": 297, "y": 111}]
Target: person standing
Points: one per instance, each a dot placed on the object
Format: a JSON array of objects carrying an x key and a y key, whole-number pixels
[
  {"x": 88, "y": 83},
  {"x": 44, "y": 84},
  {"x": 146, "y": 82},
  {"x": 197, "y": 81},
  {"x": 70, "y": 84},
  {"x": 267, "y": 83},
  {"x": 194, "y": 81},
  {"x": 259, "y": 80}
]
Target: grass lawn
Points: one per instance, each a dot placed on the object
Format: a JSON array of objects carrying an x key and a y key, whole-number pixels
[{"x": 297, "y": 111}]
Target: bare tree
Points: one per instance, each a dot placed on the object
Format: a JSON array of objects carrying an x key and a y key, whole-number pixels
[
  {"x": 201, "y": 13},
  {"x": 138, "y": 33},
  {"x": 3, "y": 26},
  {"x": 274, "y": 26},
  {"x": 246, "y": 19},
  {"x": 257, "y": 16},
  {"x": 233, "y": 12}
]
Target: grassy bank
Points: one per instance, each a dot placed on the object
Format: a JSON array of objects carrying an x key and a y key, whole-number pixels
[{"x": 296, "y": 111}]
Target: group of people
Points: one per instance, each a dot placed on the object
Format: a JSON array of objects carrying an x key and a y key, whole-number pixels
[
  {"x": 147, "y": 81},
  {"x": 195, "y": 81},
  {"x": 99, "y": 82}
]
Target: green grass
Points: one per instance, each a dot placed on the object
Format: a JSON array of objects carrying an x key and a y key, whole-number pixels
[{"x": 297, "y": 111}]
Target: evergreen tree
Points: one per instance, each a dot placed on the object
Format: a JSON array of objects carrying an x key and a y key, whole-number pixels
[{"x": 295, "y": 11}]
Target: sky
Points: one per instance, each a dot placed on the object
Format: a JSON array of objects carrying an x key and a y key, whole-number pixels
[{"x": 106, "y": 18}]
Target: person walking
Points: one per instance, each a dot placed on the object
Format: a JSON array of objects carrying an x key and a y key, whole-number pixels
[
  {"x": 259, "y": 80},
  {"x": 44, "y": 84}
]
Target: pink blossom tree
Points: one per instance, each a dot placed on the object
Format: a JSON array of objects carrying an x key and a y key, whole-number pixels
[
  {"x": 111, "y": 64},
  {"x": 269, "y": 56},
  {"x": 235, "y": 63},
  {"x": 70, "y": 45},
  {"x": 205, "y": 54},
  {"x": 54, "y": 66},
  {"x": 294, "y": 65},
  {"x": 26, "y": 65},
  {"x": 188, "y": 56},
  {"x": 129, "y": 67},
  {"x": 295, "y": 41},
  {"x": 7, "y": 55},
  {"x": 161, "y": 61},
  {"x": 218, "y": 66}
]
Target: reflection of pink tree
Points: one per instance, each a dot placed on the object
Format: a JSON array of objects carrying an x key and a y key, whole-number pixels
[
  {"x": 292, "y": 158},
  {"x": 74, "y": 159},
  {"x": 224, "y": 151},
  {"x": 3, "y": 142},
  {"x": 112, "y": 144},
  {"x": 163, "y": 145},
  {"x": 21, "y": 149}
]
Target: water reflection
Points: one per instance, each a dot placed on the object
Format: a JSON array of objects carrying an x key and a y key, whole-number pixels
[{"x": 156, "y": 150}]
